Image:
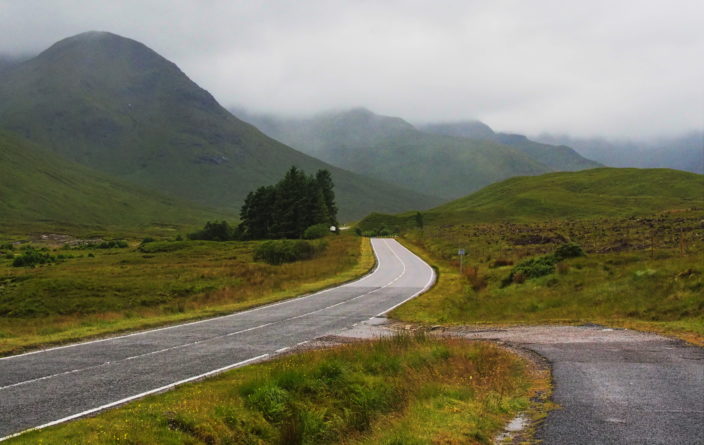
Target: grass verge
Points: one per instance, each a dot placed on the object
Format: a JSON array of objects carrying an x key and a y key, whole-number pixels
[
  {"x": 95, "y": 292},
  {"x": 400, "y": 390},
  {"x": 641, "y": 273}
]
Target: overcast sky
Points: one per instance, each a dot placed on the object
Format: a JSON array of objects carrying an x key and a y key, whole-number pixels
[{"x": 583, "y": 67}]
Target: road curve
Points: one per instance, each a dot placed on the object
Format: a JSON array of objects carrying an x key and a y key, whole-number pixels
[{"x": 46, "y": 387}]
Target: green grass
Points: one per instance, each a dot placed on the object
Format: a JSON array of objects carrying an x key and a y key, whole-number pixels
[
  {"x": 601, "y": 192},
  {"x": 42, "y": 192},
  {"x": 644, "y": 273},
  {"x": 114, "y": 105},
  {"x": 100, "y": 291},
  {"x": 587, "y": 194},
  {"x": 410, "y": 390}
]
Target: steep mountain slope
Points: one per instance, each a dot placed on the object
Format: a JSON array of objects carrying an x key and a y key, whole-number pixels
[
  {"x": 556, "y": 157},
  {"x": 39, "y": 188},
  {"x": 391, "y": 149},
  {"x": 602, "y": 192},
  {"x": 115, "y": 105},
  {"x": 685, "y": 152}
]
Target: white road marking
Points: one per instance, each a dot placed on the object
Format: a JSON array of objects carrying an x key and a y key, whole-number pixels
[
  {"x": 219, "y": 370},
  {"x": 234, "y": 314},
  {"x": 140, "y": 395},
  {"x": 184, "y": 345},
  {"x": 427, "y": 286}
]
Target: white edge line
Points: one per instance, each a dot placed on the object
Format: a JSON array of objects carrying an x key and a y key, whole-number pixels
[
  {"x": 140, "y": 395},
  {"x": 427, "y": 286},
  {"x": 247, "y": 311}
]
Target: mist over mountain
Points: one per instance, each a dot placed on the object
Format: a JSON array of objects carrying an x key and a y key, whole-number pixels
[
  {"x": 447, "y": 160},
  {"x": 685, "y": 152},
  {"x": 111, "y": 103},
  {"x": 8, "y": 61},
  {"x": 556, "y": 157}
]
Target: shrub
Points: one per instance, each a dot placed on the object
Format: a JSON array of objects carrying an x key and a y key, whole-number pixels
[
  {"x": 531, "y": 268},
  {"x": 32, "y": 257},
  {"x": 113, "y": 244},
  {"x": 316, "y": 231},
  {"x": 270, "y": 400},
  {"x": 544, "y": 265},
  {"x": 214, "y": 231},
  {"x": 286, "y": 251},
  {"x": 148, "y": 239},
  {"x": 569, "y": 250}
]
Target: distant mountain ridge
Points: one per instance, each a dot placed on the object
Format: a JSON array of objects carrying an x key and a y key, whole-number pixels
[
  {"x": 557, "y": 157},
  {"x": 438, "y": 159},
  {"x": 113, "y": 104},
  {"x": 685, "y": 152}
]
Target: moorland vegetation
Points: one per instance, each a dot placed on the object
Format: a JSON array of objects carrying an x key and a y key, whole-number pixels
[{"x": 400, "y": 390}]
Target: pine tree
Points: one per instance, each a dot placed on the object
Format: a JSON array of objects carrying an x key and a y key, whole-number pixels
[{"x": 288, "y": 208}]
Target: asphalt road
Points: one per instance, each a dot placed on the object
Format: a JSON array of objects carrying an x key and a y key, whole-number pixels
[
  {"x": 42, "y": 388},
  {"x": 616, "y": 386}
]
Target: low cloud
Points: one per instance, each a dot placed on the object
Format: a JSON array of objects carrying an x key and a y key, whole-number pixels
[{"x": 610, "y": 68}]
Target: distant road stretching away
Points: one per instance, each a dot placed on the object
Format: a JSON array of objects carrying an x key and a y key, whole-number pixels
[{"x": 41, "y": 388}]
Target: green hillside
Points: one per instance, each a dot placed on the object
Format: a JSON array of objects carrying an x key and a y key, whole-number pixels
[
  {"x": 40, "y": 191},
  {"x": 602, "y": 192},
  {"x": 115, "y": 105},
  {"x": 555, "y": 157},
  {"x": 391, "y": 149}
]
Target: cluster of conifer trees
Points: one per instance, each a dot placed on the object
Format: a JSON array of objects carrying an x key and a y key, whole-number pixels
[{"x": 288, "y": 208}]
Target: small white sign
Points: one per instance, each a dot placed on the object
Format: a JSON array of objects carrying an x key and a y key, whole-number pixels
[{"x": 460, "y": 252}]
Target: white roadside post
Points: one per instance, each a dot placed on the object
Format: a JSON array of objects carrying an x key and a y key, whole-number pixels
[{"x": 461, "y": 253}]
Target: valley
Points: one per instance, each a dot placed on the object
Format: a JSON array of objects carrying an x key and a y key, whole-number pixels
[{"x": 233, "y": 265}]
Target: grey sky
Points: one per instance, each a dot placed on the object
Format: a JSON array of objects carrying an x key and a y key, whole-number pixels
[{"x": 611, "y": 68}]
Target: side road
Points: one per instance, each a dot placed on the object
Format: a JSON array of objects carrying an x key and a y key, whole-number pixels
[{"x": 614, "y": 386}]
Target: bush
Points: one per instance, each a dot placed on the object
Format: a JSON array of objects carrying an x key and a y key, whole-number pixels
[
  {"x": 544, "y": 265},
  {"x": 148, "y": 239},
  {"x": 214, "y": 231},
  {"x": 32, "y": 257},
  {"x": 316, "y": 231},
  {"x": 569, "y": 250},
  {"x": 113, "y": 244},
  {"x": 287, "y": 251}
]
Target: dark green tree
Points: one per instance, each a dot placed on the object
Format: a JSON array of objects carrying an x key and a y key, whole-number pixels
[
  {"x": 324, "y": 181},
  {"x": 419, "y": 220},
  {"x": 288, "y": 208}
]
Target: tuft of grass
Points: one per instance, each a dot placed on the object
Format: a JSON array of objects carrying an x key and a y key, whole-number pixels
[{"x": 395, "y": 390}]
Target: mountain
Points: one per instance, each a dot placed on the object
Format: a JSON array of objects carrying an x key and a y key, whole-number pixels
[
  {"x": 555, "y": 157},
  {"x": 602, "y": 192},
  {"x": 39, "y": 189},
  {"x": 113, "y": 104},
  {"x": 7, "y": 61},
  {"x": 685, "y": 152},
  {"x": 391, "y": 149}
]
